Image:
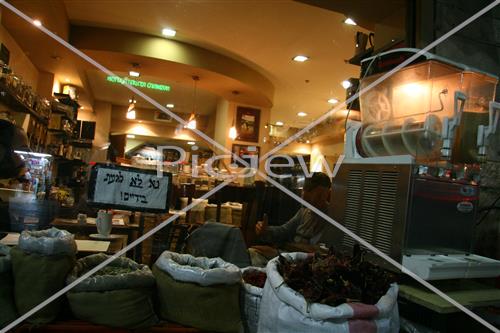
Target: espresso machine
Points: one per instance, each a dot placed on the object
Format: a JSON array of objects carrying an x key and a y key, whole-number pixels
[{"x": 409, "y": 183}]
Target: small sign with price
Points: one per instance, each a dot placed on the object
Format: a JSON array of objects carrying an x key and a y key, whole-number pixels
[{"x": 129, "y": 188}]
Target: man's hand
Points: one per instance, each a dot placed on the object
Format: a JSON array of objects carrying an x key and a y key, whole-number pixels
[{"x": 261, "y": 226}]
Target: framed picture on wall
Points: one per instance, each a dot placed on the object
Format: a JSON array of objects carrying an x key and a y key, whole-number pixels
[
  {"x": 161, "y": 116},
  {"x": 245, "y": 152},
  {"x": 247, "y": 124}
]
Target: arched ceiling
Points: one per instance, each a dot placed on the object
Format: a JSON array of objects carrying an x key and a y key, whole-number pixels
[{"x": 260, "y": 35}]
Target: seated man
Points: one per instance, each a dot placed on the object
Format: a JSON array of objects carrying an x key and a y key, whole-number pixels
[{"x": 305, "y": 227}]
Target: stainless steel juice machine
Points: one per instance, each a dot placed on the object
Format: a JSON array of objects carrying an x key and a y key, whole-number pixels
[{"x": 409, "y": 183}]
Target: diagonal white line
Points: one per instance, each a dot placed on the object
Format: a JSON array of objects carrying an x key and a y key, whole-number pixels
[
  {"x": 337, "y": 165},
  {"x": 380, "y": 79},
  {"x": 493, "y": 4},
  {"x": 111, "y": 258},
  {"x": 380, "y": 253},
  {"x": 339, "y": 226},
  {"x": 152, "y": 101},
  {"x": 132, "y": 88}
]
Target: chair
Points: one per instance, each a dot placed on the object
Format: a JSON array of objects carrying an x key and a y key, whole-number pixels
[
  {"x": 214, "y": 239},
  {"x": 172, "y": 238}
]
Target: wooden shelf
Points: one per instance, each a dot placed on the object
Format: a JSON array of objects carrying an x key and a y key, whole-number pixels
[
  {"x": 356, "y": 60},
  {"x": 12, "y": 101},
  {"x": 81, "y": 144},
  {"x": 59, "y": 131}
]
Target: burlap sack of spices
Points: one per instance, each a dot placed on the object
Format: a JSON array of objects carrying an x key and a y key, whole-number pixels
[
  {"x": 8, "y": 312},
  {"x": 118, "y": 295},
  {"x": 198, "y": 292},
  {"x": 251, "y": 298},
  {"x": 283, "y": 309},
  {"x": 40, "y": 264}
]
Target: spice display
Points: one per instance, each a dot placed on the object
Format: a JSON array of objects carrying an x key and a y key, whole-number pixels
[
  {"x": 334, "y": 279},
  {"x": 255, "y": 278},
  {"x": 113, "y": 270}
]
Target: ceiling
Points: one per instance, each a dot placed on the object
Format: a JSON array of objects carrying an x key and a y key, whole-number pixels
[
  {"x": 262, "y": 35},
  {"x": 183, "y": 99}
]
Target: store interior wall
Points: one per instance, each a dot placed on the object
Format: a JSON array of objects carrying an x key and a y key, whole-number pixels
[
  {"x": 328, "y": 151},
  {"x": 226, "y": 116},
  {"x": 19, "y": 62}
]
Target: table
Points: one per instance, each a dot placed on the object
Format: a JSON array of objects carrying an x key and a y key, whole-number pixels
[
  {"x": 83, "y": 245},
  {"x": 90, "y": 227},
  {"x": 60, "y": 222}
]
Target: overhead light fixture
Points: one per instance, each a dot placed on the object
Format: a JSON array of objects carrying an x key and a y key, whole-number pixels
[
  {"x": 191, "y": 123},
  {"x": 67, "y": 80},
  {"x": 131, "y": 109},
  {"x": 308, "y": 141},
  {"x": 301, "y": 114},
  {"x": 130, "y": 136},
  {"x": 346, "y": 84},
  {"x": 37, "y": 23},
  {"x": 134, "y": 72},
  {"x": 232, "y": 131},
  {"x": 280, "y": 123},
  {"x": 300, "y": 58},
  {"x": 168, "y": 32},
  {"x": 333, "y": 101},
  {"x": 191, "y": 143},
  {"x": 350, "y": 21},
  {"x": 170, "y": 105}
]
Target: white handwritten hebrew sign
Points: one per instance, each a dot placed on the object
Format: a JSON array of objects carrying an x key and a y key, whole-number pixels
[{"x": 131, "y": 188}]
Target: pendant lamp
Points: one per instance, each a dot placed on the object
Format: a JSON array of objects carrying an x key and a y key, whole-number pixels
[
  {"x": 131, "y": 108},
  {"x": 191, "y": 123}
]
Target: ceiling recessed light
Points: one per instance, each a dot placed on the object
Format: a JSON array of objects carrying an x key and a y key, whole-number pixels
[
  {"x": 280, "y": 123},
  {"x": 308, "y": 141},
  {"x": 68, "y": 80},
  {"x": 333, "y": 101},
  {"x": 301, "y": 114},
  {"x": 300, "y": 58},
  {"x": 350, "y": 21},
  {"x": 130, "y": 136},
  {"x": 38, "y": 23},
  {"x": 134, "y": 73},
  {"x": 191, "y": 143},
  {"x": 346, "y": 84},
  {"x": 170, "y": 105},
  {"x": 168, "y": 32}
]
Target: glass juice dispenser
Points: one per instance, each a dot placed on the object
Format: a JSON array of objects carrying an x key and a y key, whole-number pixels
[{"x": 430, "y": 110}]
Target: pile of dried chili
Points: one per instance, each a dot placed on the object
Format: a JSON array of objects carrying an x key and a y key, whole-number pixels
[
  {"x": 335, "y": 279},
  {"x": 255, "y": 278}
]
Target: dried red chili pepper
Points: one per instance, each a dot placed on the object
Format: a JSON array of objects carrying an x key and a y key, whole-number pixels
[
  {"x": 336, "y": 278},
  {"x": 255, "y": 278}
]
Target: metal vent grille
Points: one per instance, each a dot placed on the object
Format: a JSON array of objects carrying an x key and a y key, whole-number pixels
[
  {"x": 370, "y": 207},
  {"x": 353, "y": 204},
  {"x": 386, "y": 210}
]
